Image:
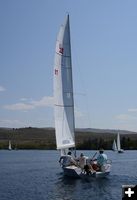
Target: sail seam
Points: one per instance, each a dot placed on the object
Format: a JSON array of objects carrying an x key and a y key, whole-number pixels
[
  {"x": 64, "y": 105},
  {"x": 63, "y": 55}
]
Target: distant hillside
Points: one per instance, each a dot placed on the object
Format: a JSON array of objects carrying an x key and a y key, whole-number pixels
[
  {"x": 112, "y": 131},
  {"x": 44, "y": 138}
]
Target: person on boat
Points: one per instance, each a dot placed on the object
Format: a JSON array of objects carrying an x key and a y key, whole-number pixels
[
  {"x": 88, "y": 169},
  {"x": 81, "y": 161},
  {"x": 101, "y": 159},
  {"x": 99, "y": 163},
  {"x": 67, "y": 160}
]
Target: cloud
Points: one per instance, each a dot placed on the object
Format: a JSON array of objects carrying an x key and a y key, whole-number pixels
[
  {"x": 44, "y": 102},
  {"x": 2, "y": 88},
  {"x": 19, "y": 106},
  {"x": 7, "y": 122},
  {"x": 23, "y": 99},
  {"x": 78, "y": 113},
  {"x": 132, "y": 110},
  {"x": 125, "y": 117}
]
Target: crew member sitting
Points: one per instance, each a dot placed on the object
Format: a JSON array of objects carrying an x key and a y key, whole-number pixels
[
  {"x": 81, "y": 161},
  {"x": 101, "y": 161},
  {"x": 67, "y": 160},
  {"x": 89, "y": 169}
]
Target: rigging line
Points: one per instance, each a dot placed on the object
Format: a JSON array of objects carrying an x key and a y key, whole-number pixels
[
  {"x": 80, "y": 93},
  {"x": 88, "y": 118},
  {"x": 63, "y": 123}
]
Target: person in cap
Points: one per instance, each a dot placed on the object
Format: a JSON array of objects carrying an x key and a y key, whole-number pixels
[{"x": 101, "y": 159}]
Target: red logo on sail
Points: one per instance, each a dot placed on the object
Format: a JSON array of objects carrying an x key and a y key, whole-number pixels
[
  {"x": 56, "y": 71},
  {"x": 61, "y": 49}
]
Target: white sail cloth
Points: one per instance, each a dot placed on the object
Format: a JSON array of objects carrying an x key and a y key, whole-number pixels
[
  {"x": 63, "y": 90},
  {"x": 118, "y": 142},
  {"x": 114, "y": 146}
]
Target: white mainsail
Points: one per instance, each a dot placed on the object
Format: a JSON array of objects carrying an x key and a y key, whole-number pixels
[
  {"x": 114, "y": 146},
  {"x": 10, "y": 148},
  {"x": 118, "y": 142},
  {"x": 63, "y": 90}
]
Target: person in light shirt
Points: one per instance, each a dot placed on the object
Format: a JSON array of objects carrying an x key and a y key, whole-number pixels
[
  {"x": 101, "y": 159},
  {"x": 67, "y": 160},
  {"x": 81, "y": 161}
]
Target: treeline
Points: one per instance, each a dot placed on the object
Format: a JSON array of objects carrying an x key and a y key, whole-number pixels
[
  {"x": 44, "y": 138},
  {"x": 126, "y": 143},
  {"x": 28, "y": 138}
]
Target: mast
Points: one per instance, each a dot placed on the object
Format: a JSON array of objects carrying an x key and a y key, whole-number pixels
[{"x": 63, "y": 90}]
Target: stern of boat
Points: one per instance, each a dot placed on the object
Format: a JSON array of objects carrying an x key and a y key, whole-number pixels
[{"x": 72, "y": 171}]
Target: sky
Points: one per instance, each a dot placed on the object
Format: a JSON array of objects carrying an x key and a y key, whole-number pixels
[{"x": 104, "y": 62}]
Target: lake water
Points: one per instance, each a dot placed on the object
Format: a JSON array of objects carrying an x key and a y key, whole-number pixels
[{"x": 36, "y": 175}]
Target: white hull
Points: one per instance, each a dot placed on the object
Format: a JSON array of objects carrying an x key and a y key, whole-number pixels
[
  {"x": 76, "y": 172},
  {"x": 121, "y": 151}
]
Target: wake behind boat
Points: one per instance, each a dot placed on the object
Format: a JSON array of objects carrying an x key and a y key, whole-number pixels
[{"x": 64, "y": 105}]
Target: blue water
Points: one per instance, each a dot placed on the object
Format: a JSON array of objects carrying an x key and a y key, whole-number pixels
[{"x": 36, "y": 175}]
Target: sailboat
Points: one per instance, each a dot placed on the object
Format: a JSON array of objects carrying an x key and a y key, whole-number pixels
[
  {"x": 119, "y": 145},
  {"x": 10, "y": 148},
  {"x": 114, "y": 146},
  {"x": 64, "y": 102}
]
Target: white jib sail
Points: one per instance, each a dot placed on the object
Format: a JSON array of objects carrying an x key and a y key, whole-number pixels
[
  {"x": 118, "y": 142},
  {"x": 63, "y": 90},
  {"x": 114, "y": 146}
]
